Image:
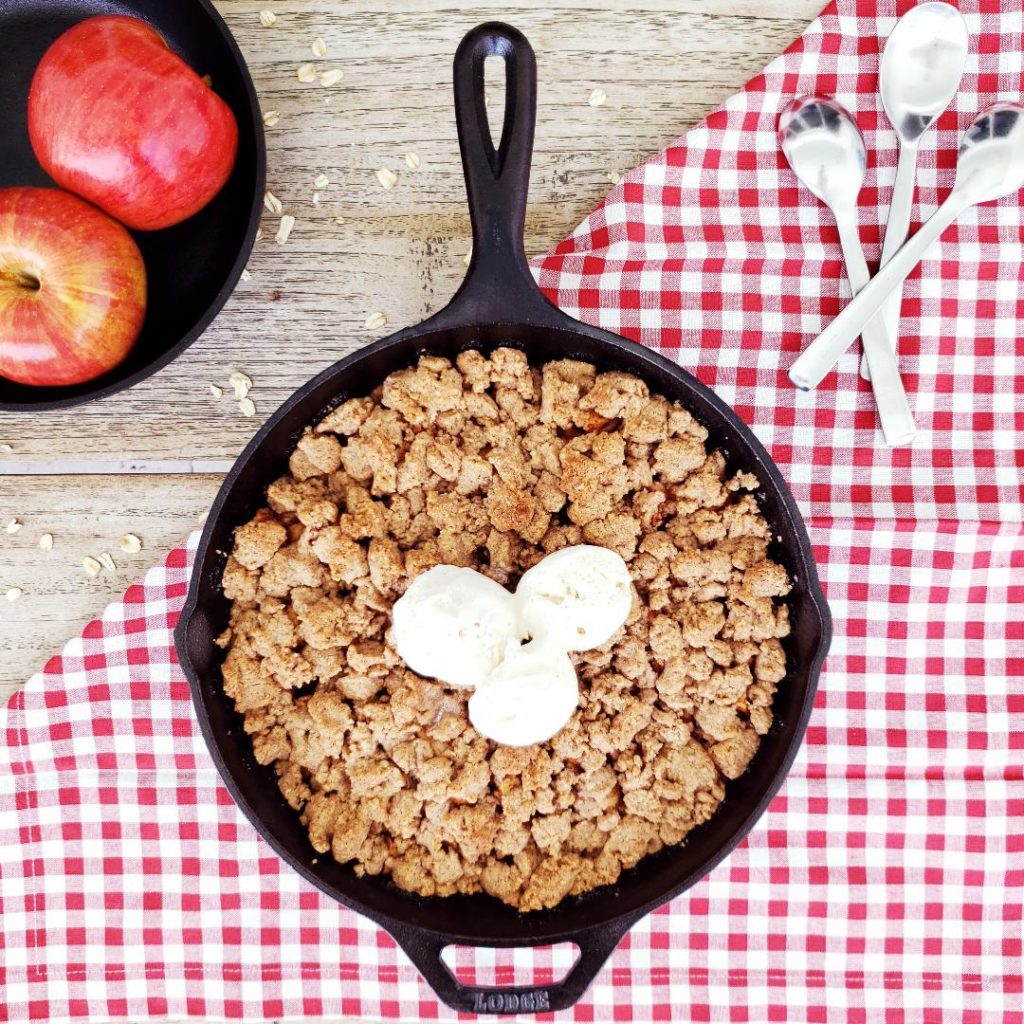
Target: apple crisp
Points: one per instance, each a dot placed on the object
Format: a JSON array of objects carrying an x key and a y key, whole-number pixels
[{"x": 491, "y": 464}]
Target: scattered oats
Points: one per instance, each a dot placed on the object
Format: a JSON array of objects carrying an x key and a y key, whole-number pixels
[
  {"x": 339, "y": 220},
  {"x": 91, "y": 566},
  {"x": 241, "y": 383},
  {"x": 246, "y": 276},
  {"x": 319, "y": 47},
  {"x": 13, "y": 526},
  {"x": 216, "y": 390},
  {"x": 614, "y": 178},
  {"x": 321, "y": 181},
  {"x": 247, "y": 407},
  {"x": 6, "y": 448},
  {"x": 107, "y": 562},
  {"x": 267, "y": 19},
  {"x": 387, "y": 177},
  {"x": 598, "y": 98},
  {"x": 316, "y": 198},
  {"x": 130, "y": 544},
  {"x": 272, "y": 203},
  {"x": 307, "y": 73},
  {"x": 375, "y": 321},
  {"x": 287, "y": 223},
  {"x": 46, "y": 542},
  {"x": 332, "y": 77},
  {"x": 14, "y": 593},
  {"x": 271, "y": 117},
  {"x": 259, "y": 234},
  {"x": 468, "y": 258},
  {"x": 207, "y": 80},
  {"x": 412, "y": 161}
]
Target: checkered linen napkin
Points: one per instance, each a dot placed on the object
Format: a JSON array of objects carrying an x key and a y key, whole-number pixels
[{"x": 884, "y": 883}]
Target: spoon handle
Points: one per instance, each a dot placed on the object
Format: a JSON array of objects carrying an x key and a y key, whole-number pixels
[
  {"x": 893, "y": 407},
  {"x": 853, "y": 255},
  {"x": 823, "y": 353},
  {"x": 896, "y": 230}
]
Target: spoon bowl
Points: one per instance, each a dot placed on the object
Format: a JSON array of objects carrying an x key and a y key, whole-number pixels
[
  {"x": 991, "y": 161},
  {"x": 921, "y": 67},
  {"x": 825, "y": 148}
]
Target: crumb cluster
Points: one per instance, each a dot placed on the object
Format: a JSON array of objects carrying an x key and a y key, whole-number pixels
[{"x": 492, "y": 464}]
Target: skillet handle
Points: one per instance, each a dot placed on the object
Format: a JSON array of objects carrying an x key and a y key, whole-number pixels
[
  {"x": 499, "y": 286},
  {"x": 424, "y": 949}
]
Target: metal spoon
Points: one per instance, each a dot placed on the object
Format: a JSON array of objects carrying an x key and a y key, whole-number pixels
[
  {"x": 826, "y": 150},
  {"x": 990, "y": 166},
  {"x": 923, "y": 62}
]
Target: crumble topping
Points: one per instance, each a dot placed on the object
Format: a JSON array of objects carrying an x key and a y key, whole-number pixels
[{"x": 490, "y": 464}]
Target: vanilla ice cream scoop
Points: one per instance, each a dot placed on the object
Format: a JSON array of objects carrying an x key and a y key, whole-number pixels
[
  {"x": 577, "y": 598},
  {"x": 454, "y": 624},
  {"x": 460, "y": 627},
  {"x": 528, "y": 698}
]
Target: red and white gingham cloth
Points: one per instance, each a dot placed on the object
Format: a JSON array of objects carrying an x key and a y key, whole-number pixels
[{"x": 884, "y": 883}]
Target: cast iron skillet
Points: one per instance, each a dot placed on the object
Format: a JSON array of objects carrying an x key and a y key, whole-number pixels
[
  {"x": 193, "y": 267},
  {"x": 498, "y": 304}
]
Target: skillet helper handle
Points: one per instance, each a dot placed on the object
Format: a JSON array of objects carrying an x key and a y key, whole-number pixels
[
  {"x": 499, "y": 284},
  {"x": 424, "y": 949}
]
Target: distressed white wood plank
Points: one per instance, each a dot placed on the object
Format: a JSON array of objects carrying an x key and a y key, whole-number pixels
[
  {"x": 86, "y": 515},
  {"x": 663, "y": 64}
]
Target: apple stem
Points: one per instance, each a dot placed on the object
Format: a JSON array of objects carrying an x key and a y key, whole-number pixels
[{"x": 21, "y": 279}]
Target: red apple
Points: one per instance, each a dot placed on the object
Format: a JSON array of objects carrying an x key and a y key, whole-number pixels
[
  {"x": 72, "y": 288},
  {"x": 119, "y": 118}
]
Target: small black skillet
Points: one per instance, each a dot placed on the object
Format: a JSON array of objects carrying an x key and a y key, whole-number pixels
[{"x": 499, "y": 304}]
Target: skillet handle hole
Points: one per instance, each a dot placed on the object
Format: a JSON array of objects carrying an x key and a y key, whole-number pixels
[
  {"x": 495, "y": 100},
  {"x": 522, "y": 967}
]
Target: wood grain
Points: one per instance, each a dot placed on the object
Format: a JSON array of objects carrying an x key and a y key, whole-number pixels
[
  {"x": 663, "y": 63},
  {"x": 86, "y": 515},
  {"x": 150, "y": 461}
]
